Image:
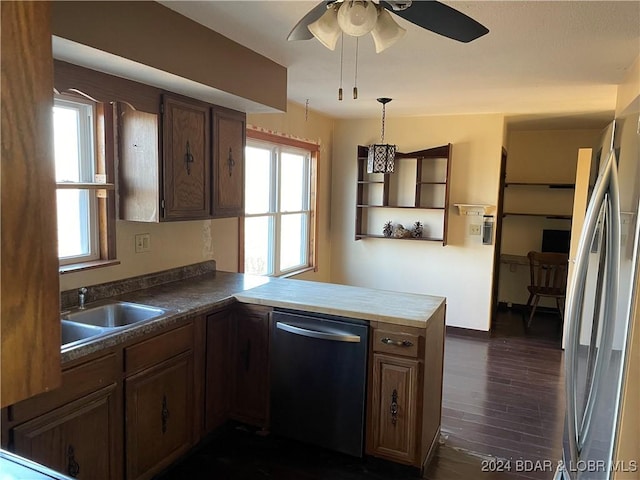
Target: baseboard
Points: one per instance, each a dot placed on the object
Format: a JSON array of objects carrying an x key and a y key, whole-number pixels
[
  {"x": 467, "y": 332},
  {"x": 518, "y": 307}
]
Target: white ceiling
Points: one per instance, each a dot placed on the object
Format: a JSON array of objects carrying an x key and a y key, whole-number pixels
[{"x": 555, "y": 59}]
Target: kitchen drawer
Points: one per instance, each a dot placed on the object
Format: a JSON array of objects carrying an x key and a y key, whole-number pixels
[
  {"x": 397, "y": 343},
  {"x": 157, "y": 349},
  {"x": 77, "y": 382}
]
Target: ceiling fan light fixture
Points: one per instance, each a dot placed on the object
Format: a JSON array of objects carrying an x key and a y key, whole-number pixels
[
  {"x": 357, "y": 17},
  {"x": 326, "y": 28},
  {"x": 386, "y": 31}
]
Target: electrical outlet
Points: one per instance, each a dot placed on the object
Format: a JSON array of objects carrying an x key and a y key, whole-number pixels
[
  {"x": 475, "y": 229},
  {"x": 143, "y": 242}
]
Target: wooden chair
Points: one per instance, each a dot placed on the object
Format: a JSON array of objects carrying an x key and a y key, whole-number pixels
[{"x": 548, "y": 279}]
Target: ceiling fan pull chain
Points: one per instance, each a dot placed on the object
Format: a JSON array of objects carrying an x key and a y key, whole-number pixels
[
  {"x": 341, "y": 64},
  {"x": 355, "y": 82}
]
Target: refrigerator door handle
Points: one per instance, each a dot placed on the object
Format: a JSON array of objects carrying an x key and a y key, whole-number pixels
[
  {"x": 611, "y": 301},
  {"x": 574, "y": 303}
]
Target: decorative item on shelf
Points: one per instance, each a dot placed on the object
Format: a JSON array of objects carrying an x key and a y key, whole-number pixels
[
  {"x": 400, "y": 232},
  {"x": 381, "y": 158},
  {"x": 387, "y": 231},
  {"x": 417, "y": 230}
]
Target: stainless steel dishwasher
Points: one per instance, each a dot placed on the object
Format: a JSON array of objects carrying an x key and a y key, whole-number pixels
[{"x": 318, "y": 379}]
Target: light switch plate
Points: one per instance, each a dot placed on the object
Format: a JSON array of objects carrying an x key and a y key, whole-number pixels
[
  {"x": 143, "y": 242},
  {"x": 475, "y": 229}
]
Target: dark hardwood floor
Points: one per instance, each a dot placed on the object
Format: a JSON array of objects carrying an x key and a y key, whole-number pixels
[
  {"x": 504, "y": 396},
  {"x": 503, "y": 402}
]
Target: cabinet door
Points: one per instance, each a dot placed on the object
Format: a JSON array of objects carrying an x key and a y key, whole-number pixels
[
  {"x": 229, "y": 138},
  {"x": 393, "y": 413},
  {"x": 250, "y": 391},
  {"x": 29, "y": 319},
  {"x": 218, "y": 366},
  {"x": 76, "y": 439},
  {"x": 159, "y": 416},
  {"x": 139, "y": 165},
  {"x": 186, "y": 159}
]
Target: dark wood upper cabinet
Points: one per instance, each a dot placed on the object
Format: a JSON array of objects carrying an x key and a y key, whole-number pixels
[
  {"x": 186, "y": 163},
  {"x": 229, "y": 139},
  {"x": 186, "y": 159}
]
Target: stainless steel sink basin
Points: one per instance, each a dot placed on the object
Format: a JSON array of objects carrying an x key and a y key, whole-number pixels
[
  {"x": 114, "y": 315},
  {"x": 75, "y": 332}
]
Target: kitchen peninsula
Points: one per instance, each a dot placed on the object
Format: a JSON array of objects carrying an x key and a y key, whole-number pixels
[{"x": 134, "y": 401}]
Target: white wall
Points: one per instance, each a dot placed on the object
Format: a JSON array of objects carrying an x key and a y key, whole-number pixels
[{"x": 461, "y": 271}]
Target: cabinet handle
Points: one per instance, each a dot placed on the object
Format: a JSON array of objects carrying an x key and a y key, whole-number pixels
[
  {"x": 397, "y": 343},
  {"x": 188, "y": 158},
  {"x": 230, "y": 161},
  {"x": 165, "y": 414},
  {"x": 73, "y": 467},
  {"x": 394, "y": 406}
]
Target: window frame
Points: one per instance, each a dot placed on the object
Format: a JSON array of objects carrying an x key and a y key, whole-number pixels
[
  {"x": 87, "y": 166},
  {"x": 276, "y": 142},
  {"x": 101, "y": 189}
]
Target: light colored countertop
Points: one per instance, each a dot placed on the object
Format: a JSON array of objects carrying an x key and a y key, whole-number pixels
[{"x": 364, "y": 303}]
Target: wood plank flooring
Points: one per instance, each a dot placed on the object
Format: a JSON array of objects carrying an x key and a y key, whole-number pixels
[
  {"x": 504, "y": 396},
  {"x": 503, "y": 402}
]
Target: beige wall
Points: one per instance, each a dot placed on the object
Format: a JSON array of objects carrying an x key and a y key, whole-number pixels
[
  {"x": 176, "y": 244},
  {"x": 461, "y": 271},
  {"x": 542, "y": 156},
  {"x": 628, "y": 94}
]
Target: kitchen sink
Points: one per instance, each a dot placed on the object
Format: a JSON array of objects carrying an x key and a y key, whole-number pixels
[
  {"x": 75, "y": 332},
  {"x": 113, "y": 315}
]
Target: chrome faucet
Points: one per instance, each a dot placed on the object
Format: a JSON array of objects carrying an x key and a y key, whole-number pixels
[{"x": 82, "y": 292}]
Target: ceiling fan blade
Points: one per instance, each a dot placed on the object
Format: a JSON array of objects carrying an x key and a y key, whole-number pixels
[
  {"x": 300, "y": 31},
  {"x": 441, "y": 19}
]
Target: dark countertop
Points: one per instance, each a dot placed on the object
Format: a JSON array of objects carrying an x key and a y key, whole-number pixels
[{"x": 183, "y": 299}]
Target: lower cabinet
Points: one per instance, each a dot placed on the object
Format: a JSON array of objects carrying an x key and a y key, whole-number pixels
[
  {"x": 75, "y": 429},
  {"x": 250, "y": 365},
  {"x": 217, "y": 369},
  {"x": 75, "y": 439},
  {"x": 405, "y": 391},
  {"x": 395, "y": 390},
  {"x": 159, "y": 402}
]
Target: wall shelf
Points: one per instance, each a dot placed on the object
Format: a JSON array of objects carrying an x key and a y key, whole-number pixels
[
  {"x": 474, "y": 209},
  {"x": 425, "y": 190},
  {"x": 552, "y": 216},
  {"x": 547, "y": 185}
]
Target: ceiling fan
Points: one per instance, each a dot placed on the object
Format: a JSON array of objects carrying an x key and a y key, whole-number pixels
[{"x": 329, "y": 19}]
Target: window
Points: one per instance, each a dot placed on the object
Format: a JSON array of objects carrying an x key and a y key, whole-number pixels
[
  {"x": 75, "y": 163},
  {"x": 84, "y": 223},
  {"x": 279, "y": 212}
]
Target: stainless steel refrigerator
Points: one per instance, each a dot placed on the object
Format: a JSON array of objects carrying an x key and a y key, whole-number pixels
[{"x": 599, "y": 306}]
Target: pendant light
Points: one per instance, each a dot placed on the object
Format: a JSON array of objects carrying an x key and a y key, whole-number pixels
[{"x": 382, "y": 156}]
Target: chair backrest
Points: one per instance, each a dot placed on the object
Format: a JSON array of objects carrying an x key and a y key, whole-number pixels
[{"x": 549, "y": 270}]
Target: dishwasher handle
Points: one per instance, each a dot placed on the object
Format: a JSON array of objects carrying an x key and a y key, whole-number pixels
[{"x": 336, "y": 337}]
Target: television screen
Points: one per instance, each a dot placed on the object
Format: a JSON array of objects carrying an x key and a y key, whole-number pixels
[{"x": 557, "y": 241}]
